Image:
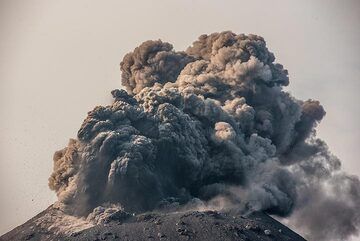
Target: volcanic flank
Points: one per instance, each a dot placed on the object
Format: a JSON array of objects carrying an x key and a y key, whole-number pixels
[{"x": 210, "y": 128}]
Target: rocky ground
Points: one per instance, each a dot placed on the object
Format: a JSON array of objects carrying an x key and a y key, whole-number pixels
[{"x": 189, "y": 225}]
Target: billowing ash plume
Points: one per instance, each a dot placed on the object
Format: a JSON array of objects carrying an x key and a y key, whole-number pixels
[{"x": 209, "y": 122}]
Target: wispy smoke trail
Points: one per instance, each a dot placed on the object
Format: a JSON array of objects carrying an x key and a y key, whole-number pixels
[{"x": 209, "y": 122}]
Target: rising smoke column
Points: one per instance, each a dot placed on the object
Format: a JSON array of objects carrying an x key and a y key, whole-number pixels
[{"x": 209, "y": 122}]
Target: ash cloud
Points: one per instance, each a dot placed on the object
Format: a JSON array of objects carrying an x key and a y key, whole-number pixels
[{"x": 209, "y": 123}]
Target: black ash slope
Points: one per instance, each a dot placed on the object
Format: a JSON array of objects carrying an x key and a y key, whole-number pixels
[{"x": 190, "y": 225}]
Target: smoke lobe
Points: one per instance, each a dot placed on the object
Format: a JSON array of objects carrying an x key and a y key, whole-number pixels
[{"x": 211, "y": 122}]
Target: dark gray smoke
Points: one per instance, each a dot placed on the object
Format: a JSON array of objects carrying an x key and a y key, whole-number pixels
[{"x": 209, "y": 122}]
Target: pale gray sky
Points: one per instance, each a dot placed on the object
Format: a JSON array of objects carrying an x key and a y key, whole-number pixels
[{"x": 58, "y": 59}]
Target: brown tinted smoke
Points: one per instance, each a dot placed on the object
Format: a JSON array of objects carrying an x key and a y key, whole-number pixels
[{"x": 211, "y": 121}]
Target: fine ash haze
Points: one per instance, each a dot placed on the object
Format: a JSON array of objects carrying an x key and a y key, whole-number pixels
[{"x": 207, "y": 124}]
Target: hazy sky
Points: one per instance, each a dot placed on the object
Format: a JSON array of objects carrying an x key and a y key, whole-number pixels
[{"x": 58, "y": 59}]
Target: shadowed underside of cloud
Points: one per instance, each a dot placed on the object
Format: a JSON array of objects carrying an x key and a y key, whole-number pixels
[{"x": 212, "y": 121}]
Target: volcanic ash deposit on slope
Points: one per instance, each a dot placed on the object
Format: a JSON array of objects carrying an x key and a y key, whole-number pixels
[{"x": 207, "y": 123}]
